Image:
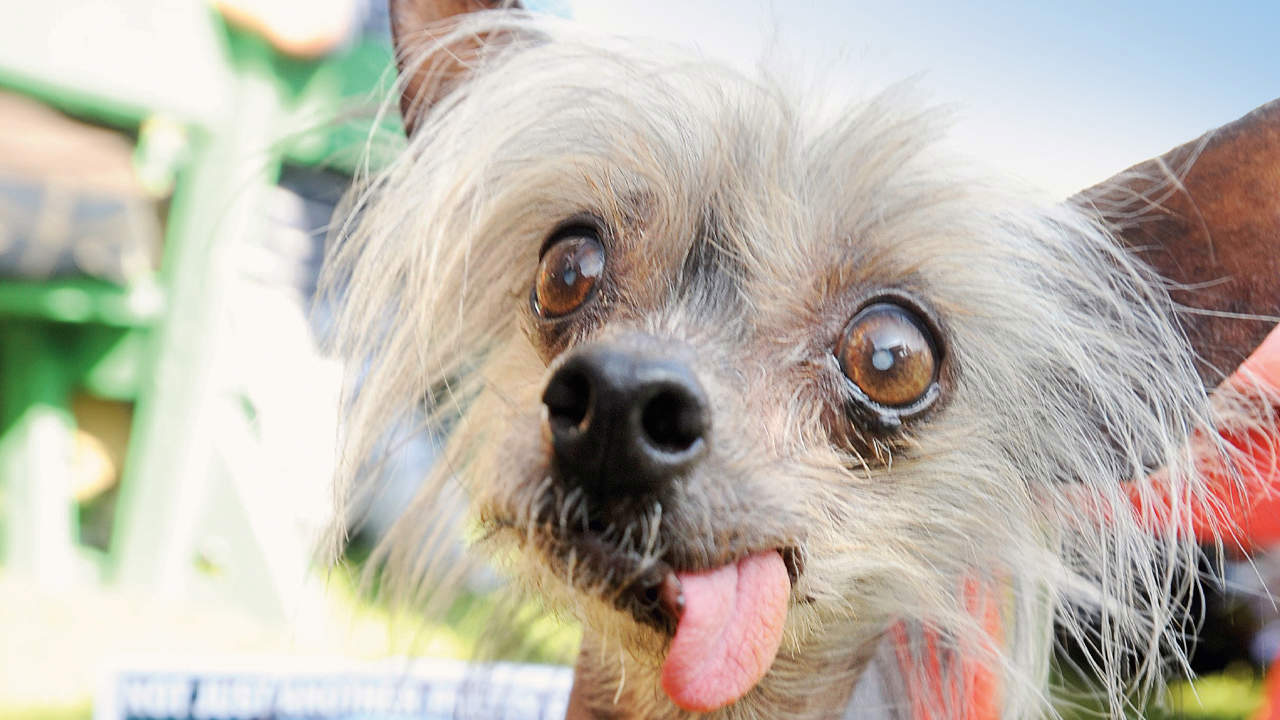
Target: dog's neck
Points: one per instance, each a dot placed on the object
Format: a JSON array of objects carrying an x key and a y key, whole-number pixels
[{"x": 812, "y": 682}]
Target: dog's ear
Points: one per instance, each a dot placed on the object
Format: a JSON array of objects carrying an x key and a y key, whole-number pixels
[
  {"x": 1206, "y": 216},
  {"x": 428, "y": 68}
]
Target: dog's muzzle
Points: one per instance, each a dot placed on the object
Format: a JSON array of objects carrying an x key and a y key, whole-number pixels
[{"x": 623, "y": 423}]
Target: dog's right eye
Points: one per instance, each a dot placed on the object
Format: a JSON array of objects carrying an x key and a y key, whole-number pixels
[{"x": 570, "y": 268}]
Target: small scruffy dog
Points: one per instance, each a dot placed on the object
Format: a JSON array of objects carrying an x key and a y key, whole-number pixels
[{"x": 785, "y": 412}]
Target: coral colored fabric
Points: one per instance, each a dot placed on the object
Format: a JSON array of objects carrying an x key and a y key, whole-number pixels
[
  {"x": 1270, "y": 709},
  {"x": 1248, "y": 518},
  {"x": 978, "y": 695},
  {"x": 1260, "y": 522},
  {"x": 1256, "y": 512},
  {"x": 1248, "y": 495}
]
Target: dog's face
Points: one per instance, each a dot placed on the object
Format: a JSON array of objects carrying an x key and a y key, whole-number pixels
[{"x": 740, "y": 391}]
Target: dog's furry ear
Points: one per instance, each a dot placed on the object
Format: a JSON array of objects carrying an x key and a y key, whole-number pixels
[
  {"x": 1206, "y": 216},
  {"x": 431, "y": 62}
]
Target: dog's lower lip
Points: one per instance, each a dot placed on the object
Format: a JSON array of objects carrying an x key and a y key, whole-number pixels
[{"x": 671, "y": 596}]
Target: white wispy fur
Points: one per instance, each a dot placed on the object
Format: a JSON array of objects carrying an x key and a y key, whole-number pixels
[{"x": 1066, "y": 372}]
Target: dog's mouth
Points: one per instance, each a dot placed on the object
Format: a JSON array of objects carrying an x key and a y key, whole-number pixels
[
  {"x": 650, "y": 589},
  {"x": 724, "y": 617}
]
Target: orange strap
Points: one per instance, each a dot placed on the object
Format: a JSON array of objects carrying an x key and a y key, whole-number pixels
[
  {"x": 1255, "y": 514},
  {"x": 1247, "y": 494},
  {"x": 972, "y": 692},
  {"x": 1270, "y": 709}
]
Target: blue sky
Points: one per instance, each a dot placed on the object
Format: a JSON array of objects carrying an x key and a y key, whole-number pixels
[{"x": 1059, "y": 94}]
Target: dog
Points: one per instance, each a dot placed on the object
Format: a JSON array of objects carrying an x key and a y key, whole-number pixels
[{"x": 797, "y": 418}]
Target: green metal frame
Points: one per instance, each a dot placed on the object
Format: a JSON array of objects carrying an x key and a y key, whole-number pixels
[{"x": 155, "y": 342}]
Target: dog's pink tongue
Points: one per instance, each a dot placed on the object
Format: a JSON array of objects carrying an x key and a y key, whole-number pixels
[{"x": 729, "y": 632}]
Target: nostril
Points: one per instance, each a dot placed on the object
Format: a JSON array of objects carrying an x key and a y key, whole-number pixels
[
  {"x": 568, "y": 399},
  {"x": 673, "y": 420}
]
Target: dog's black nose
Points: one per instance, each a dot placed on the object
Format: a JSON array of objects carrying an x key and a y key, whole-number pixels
[{"x": 622, "y": 422}]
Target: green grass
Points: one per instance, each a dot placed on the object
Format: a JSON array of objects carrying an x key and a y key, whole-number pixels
[{"x": 1235, "y": 694}]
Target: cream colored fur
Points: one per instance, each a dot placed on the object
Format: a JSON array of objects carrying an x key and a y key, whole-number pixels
[{"x": 1066, "y": 371}]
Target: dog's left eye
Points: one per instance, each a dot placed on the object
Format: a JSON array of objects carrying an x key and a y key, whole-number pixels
[
  {"x": 568, "y": 273},
  {"x": 890, "y": 355}
]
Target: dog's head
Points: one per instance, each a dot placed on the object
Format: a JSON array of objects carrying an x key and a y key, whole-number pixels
[{"x": 740, "y": 390}]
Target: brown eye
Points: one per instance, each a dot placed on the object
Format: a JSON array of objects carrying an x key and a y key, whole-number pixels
[
  {"x": 889, "y": 354},
  {"x": 567, "y": 274}
]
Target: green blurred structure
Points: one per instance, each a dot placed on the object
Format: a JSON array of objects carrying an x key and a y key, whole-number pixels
[{"x": 216, "y": 112}]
